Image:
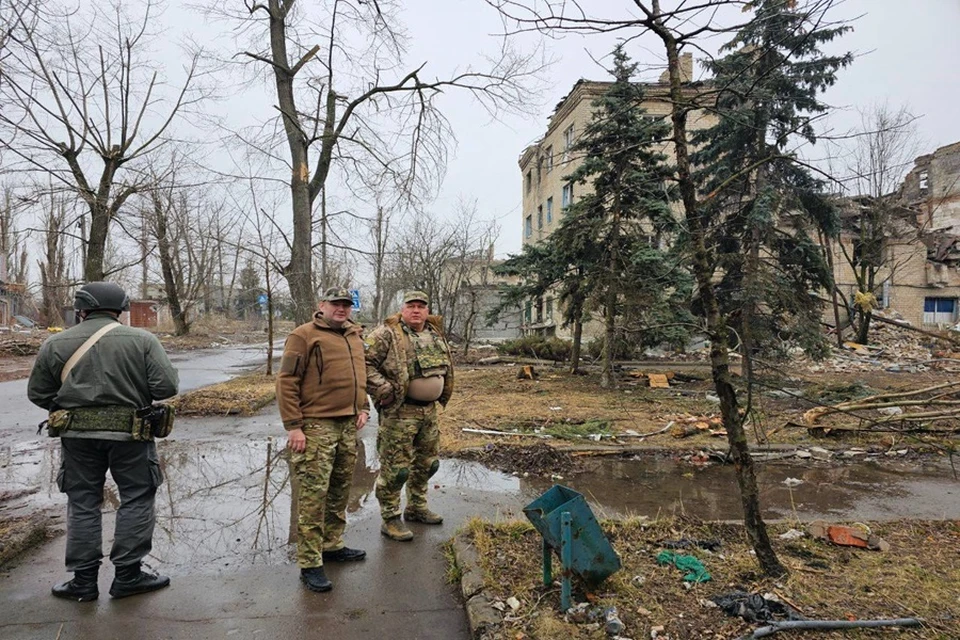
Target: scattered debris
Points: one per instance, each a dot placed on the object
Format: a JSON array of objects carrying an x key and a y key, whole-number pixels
[
  {"x": 847, "y": 536},
  {"x": 527, "y": 372},
  {"x": 696, "y": 572},
  {"x": 792, "y": 534},
  {"x": 658, "y": 381},
  {"x": 613, "y": 625},
  {"x": 754, "y": 607},
  {"x": 939, "y": 402},
  {"x": 825, "y": 625}
]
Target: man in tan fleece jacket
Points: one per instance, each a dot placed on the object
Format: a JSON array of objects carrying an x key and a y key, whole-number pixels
[{"x": 323, "y": 403}]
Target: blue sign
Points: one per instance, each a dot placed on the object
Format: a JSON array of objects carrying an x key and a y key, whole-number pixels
[
  {"x": 355, "y": 294},
  {"x": 262, "y": 300}
]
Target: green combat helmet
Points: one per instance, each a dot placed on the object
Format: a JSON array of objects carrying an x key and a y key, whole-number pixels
[{"x": 95, "y": 296}]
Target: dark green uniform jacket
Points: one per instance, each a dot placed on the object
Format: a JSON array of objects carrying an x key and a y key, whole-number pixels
[{"x": 126, "y": 368}]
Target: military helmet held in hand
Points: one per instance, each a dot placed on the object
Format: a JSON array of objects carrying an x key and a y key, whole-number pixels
[{"x": 94, "y": 296}]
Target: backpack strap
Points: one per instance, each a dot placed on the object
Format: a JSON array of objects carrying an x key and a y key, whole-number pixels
[{"x": 86, "y": 346}]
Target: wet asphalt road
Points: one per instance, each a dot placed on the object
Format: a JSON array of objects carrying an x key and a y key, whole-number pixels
[
  {"x": 19, "y": 417},
  {"x": 223, "y": 523}
]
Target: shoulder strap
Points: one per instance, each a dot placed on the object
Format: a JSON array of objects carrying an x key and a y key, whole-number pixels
[{"x": 86, "y": 346}]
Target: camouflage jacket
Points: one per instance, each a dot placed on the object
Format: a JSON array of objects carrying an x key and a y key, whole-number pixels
[{"x": 389, "y": 353}]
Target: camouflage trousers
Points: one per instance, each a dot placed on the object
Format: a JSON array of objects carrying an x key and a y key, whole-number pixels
[
  {"x": 324, "y": 471},
  {"x": 407, "y": 444}
]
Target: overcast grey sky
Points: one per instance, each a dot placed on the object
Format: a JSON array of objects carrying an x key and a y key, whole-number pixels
[{"x": 907, "y": 55}]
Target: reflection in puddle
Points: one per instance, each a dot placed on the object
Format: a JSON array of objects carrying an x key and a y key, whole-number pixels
[{"x": 225, "y": 504}]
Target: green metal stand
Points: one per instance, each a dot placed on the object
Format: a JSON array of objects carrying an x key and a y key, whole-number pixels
[
  {"x": 566, "y": 558},
  {"x": 547, "y": 563}
]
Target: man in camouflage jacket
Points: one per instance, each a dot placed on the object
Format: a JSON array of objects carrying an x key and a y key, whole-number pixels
[{"x": 409, "y": 372}]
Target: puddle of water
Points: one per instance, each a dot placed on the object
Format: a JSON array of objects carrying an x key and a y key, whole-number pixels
[
  {"x": 862, "y": 491},
  {"x": 225, "y": 504}
]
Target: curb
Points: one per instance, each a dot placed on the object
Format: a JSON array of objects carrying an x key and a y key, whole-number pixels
[{"x": 481, "y": 616}]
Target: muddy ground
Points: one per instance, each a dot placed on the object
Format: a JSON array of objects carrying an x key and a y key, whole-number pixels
[
  {"x": 565, "y": 410},
  {"x": 917, "y": 577}
]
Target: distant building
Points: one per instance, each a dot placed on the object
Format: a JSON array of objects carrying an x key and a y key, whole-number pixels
[
  {"x": 920, "y": 275},
  {"x": 932, "y": 189}
]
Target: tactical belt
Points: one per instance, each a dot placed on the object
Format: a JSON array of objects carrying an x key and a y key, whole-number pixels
[
  {"x": 102, "y": 419},
  {"x": 418, "y": 403}
]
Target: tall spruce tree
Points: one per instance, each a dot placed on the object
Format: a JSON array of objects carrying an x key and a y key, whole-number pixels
[
  {"x": 626, "y": 201},
  {"x": 605, "y": 250},
  {"x": 762, "y": 207}
]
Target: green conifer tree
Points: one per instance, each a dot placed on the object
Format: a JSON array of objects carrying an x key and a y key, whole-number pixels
[{"x": 762, "y": 207}]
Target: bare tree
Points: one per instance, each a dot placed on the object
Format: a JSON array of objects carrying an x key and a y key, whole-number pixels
[
  {"x": 178, "y": 218},
  {"x": 53, "y": 276},
  {"x": 875, "y": 222},
  {"x": 346, "y": 95},
  {"x": 443, "y": 259},
  {"x": 13, "y": 247},
  {"x": 379, "y": 227},
  {"x": 84, "y": 102}
]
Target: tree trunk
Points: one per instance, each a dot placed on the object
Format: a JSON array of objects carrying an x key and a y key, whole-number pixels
[
  {"x": 181, "y": 326},
  {"x": 269, "y": 318},
  {"x": 577, "y": 335},
  {"x": 299, "y": 272},
  {"x": 716, "y": 326},
  {"x": 608, "y": 378},
  {"x": 863, "y": 328},
  {"x": 96, "y": 242}
]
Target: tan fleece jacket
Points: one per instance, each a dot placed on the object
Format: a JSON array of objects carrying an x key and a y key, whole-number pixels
[{"x": 322, "y": 373}]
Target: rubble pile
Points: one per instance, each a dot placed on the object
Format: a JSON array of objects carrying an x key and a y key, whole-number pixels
[{"x": 891, "y": 349}]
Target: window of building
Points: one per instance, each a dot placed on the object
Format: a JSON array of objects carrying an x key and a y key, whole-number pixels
[
  {"x": 539, "y": 310},
  {"x": 549, "y": 310},
  {"x": 528, "y": 227},
  {"x": 528, "y": 312},
  {"x": 540, "y": 217},
  {"x": 549, "y": 159},
  {"x": 924, "y": 180},
  {"x": 550, "y": 210},
  {"x": 566, "y": 198},
  {"x": 529, "y": 181},
  {"x": 568, "y": 138},
  {"x": 939, "y": 310}
]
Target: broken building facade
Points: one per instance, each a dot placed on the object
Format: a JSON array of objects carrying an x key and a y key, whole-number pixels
[{"x": 918, "y": 276}]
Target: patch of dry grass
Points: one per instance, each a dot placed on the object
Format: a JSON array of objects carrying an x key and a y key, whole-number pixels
[
  {"x": 21, "y": 533},
  {"x": 918, "y": 577},
  {"x": 243, "y": 395}
]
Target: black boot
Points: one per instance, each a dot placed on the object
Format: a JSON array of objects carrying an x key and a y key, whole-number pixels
[
  {"x": 131, "y": 581},
  {"x": 344, "y": 554},
  {"x": 83, "y": 587},
  {"x": 315, "y": 579}
]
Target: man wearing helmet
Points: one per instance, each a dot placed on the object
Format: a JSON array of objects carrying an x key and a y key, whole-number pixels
[{"x": 94, "y": 377}]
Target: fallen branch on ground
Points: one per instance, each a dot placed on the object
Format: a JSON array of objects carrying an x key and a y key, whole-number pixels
[{"x": 771, "y": 629}]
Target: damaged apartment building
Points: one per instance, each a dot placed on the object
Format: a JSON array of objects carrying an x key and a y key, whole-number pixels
[
  {"x": 916, "y": 257},
  {"x": 918, "y": 253},
  {"x": 545, "y": 164}
]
